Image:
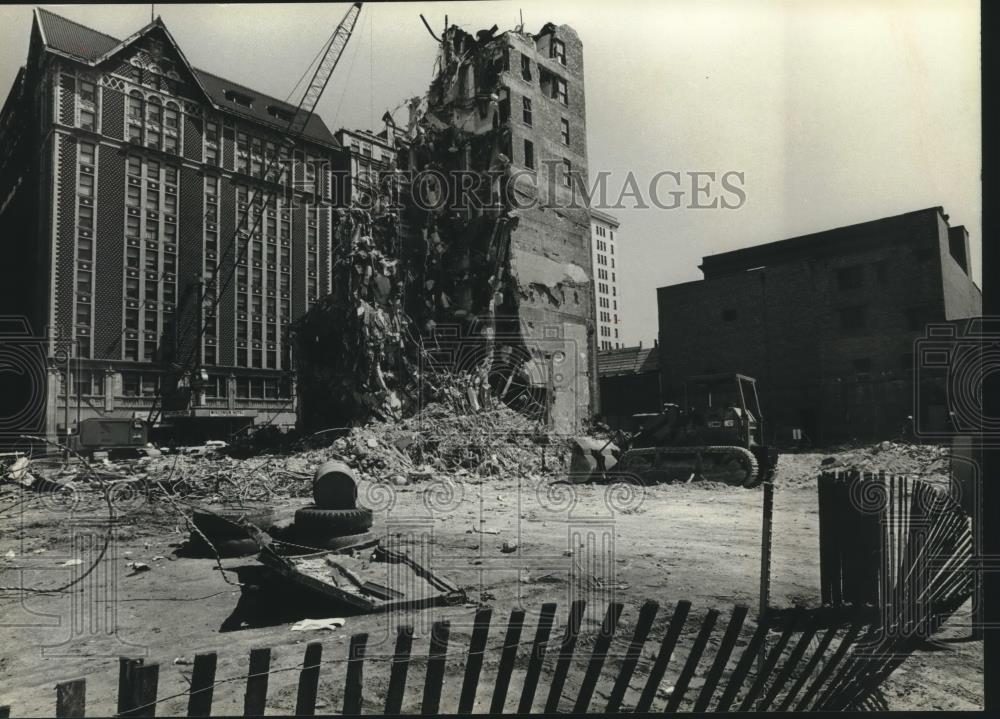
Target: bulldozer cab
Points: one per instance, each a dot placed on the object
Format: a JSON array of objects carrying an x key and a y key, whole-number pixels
[{"x": 725, "y": 404}]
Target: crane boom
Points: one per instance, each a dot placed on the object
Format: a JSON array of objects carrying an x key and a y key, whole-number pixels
[{"x": 296, "y": 127}]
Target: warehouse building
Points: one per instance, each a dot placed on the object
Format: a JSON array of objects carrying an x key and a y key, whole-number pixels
[{"x": 826, "y": 322}]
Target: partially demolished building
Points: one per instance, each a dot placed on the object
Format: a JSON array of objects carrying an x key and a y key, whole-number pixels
[{"x": 466, "y": 273}]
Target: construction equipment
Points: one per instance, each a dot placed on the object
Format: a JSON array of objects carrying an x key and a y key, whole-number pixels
[{"x": 718, "y": 437}]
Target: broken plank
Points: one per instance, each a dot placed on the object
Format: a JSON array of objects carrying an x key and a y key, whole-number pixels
[
  {"x": 808, "y": 669},
  {"x": 202, "y": 685},
  {"x": 507, "y": 657},
  {"x": 576, "y": 611},
  {"x": 647, "y": 613},
  {"x": 435, "y": 667},
  {"x": 530, "y": 683},
  {"x": 791, "y": 662},
  {"x": 474, "y": 662},
  {"x": 71, "y": 698},
  {"x": 354, "y": 679},
  {"x": 598, "y": 656},
  {"x": 305, "y": 699},
  {"x": 663, "y": 657},
  {"x": 400, "y": 667}
]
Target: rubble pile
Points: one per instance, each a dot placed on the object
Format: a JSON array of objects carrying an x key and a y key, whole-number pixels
[
  {"x": 424, "y": 293},
  {"x": 499, "y": 441},
  {"x": 928, "y": 462}
]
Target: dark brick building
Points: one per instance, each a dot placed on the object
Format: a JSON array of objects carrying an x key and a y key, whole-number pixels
[
  {"x": 826, "y": 322},
  {"x": 124, "y": 174},
  {"x": 630, "y": 384}
]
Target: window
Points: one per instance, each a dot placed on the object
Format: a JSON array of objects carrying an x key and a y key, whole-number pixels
[
  {"x": 728, "y": 315},
  {"x": 170, "y": 175},
  {"x": 567, "y": 173},
  {"x": 135, "y": 107},
  {"x": 85, "y": 185},
  {"x": 529, "y": 155},
  {"x": 525, "y": 68},
  {"x": 852, "y": 318},
  {"x": 560, "y": 92},
  {"x": 239, "y": 98},
  {"x": 850, "y": 278},
  {"x": 86, "y": 153},
  {"x": 134, "y": 166},
  {"x": 564, "y": 129},
  {"x": 558, "y": 51},
  {"x": 85, "y": 217},
  {"x": 131, "y": 226},
  {"x": 171, "y": 118},
  {"x": 526, "y": 110},
  {"x": 133, "y": 194},
  {"x": 87, "y": 120}
]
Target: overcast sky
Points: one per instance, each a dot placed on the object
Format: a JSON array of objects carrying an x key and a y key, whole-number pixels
[{"x": 837, "y": 112}]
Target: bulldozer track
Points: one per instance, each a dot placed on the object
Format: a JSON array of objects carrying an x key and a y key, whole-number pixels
[{"x": 749, "y": 478}]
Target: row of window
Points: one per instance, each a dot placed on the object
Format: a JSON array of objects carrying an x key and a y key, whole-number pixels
[
  {"x": 603, "y": 232},
  {"x": 606, "y": 344},
  {"x": 603, "y": 288},
  {"x": 606, "y": 317},
  {"x": 603, "y": 260},
  {"x": 607, "y": 303},
  {"x": 153, "y": 124},
  {"x": 552, "y": 85}
]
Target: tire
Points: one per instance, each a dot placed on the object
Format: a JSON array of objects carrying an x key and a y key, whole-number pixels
[
  {"x": 223, "y": 522},
  {"x": 325, "y": 523},
  {"x": 336, "y": 543},
  {"x": 232, "y": 547}
]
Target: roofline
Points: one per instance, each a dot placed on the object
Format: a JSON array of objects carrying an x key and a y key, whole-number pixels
[
  {"x": 751, "y": 251},
  {"x": 605, "y": 217},
  {"x": 158, "y": 22}
]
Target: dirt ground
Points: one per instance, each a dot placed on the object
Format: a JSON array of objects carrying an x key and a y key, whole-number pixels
[{"x": 670, "y": 542}]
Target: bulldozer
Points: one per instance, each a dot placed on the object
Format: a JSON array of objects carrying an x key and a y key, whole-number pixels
[{"x": 718, "y": 435}]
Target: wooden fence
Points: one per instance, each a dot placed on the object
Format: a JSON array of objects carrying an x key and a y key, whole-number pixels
[{"x": 787, "y": 660}]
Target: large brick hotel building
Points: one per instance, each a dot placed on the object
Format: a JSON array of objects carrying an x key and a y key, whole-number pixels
[{"x": 124, "y": 172}]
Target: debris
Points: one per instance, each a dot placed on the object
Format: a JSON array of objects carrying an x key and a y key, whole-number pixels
[
  {"x": 312, "y": 625},
  {"x": 183, "y": 661},
  {"x": 72, "y": 563},
  {"x": 508, "y": 546},
  {"x": 137, "y": 568},
  {"x": 9, "y": 554},
  {"x": 485, "y": 530}
]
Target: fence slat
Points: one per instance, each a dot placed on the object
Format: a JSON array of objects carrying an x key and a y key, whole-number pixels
[
  {"x": 71, "y": 698},
  {"x": 255, "y": 698},
  {"x": 305, "y": 699},
  {"x": 598, "y": 656},
  {"x": 830, "y": 665},
  {"x": 142, "y": 701},
  {"x": 809, "y": 631},
  {"x": 721, "y": 657},
  {"x": 507, "y": 659},
  {"x": 545, "y": 619},
  {"x": 750, "y": 653},
  {"x": 400, "y": 666},
  {"x": 355, "y": 670},
  {"x": 681, "y": 685},
  {"x": 809, "y": 668},
  {"x": 646, "y": 616},
  {"x": 202, "y": 685},
  {"x": 435, "y": 667},
  {"x": 474, "y": 662},
  {"x": 770, "y": 661},
  {"x": 663, "y": 658},
  {"x": 576, "y": 611},
  {"x": 126, "y": 671}
]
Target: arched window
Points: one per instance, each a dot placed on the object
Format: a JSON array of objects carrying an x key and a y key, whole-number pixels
[
  {"x": 136, "y": 113},
  {"x": 171, "y": 128},
  {"x": 154, "y": 123}
]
